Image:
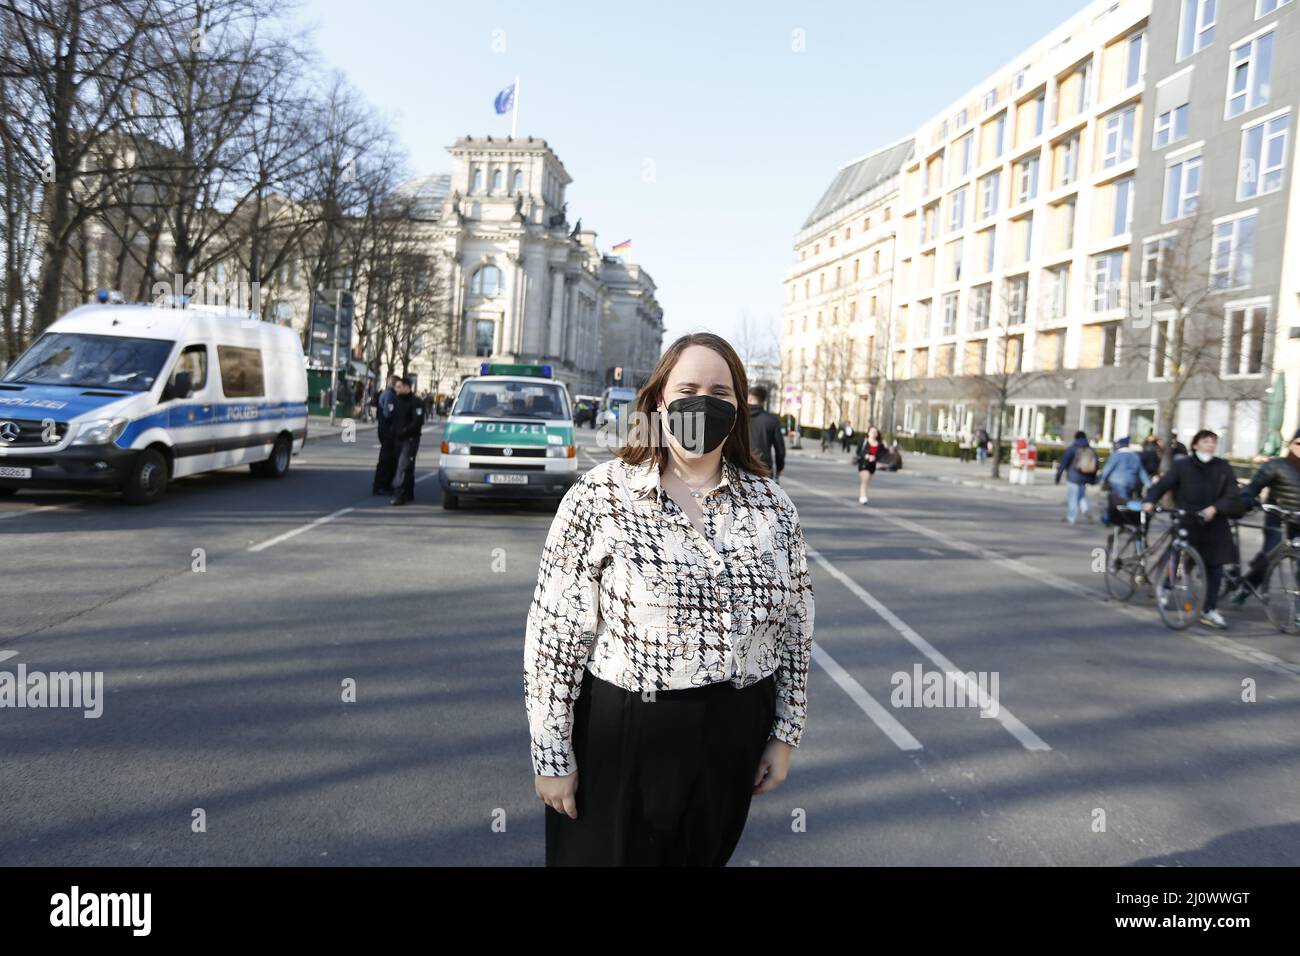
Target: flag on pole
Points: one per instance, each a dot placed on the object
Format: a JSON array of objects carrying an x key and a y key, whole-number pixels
[
  {"x": 624, "y": 248},
  {"x": 505, "y": 100}
]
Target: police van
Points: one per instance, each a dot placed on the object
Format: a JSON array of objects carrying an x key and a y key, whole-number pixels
[
  {"x": 509, "y": 435},
  {"x": 129, "y": 397}
]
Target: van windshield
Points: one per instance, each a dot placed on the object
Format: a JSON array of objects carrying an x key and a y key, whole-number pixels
[
  {"x": 91, "y": 361},
  {"x": 485, "y": 398}
]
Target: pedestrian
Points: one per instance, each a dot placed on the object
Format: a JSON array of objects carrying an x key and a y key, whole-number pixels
[
  {"x": 895, "y": 458},
  {"x": 387, "y": 464},
  {"x": 408, "y": 421},
  {"x": 667, "y": 644},
  {"x": 826, "y": 439},
  {"x": 765, "y": 435},
  {"x": 1281, "y": 478},
  {"x": 964, "y": 442},
  {"x": 1122, "y": 475},
  {"x": 982, "y": 446},
  {"x": 848, "y": 437},
  {"x": 870, "y": 451},
  {"x": 1079, "y": 465},
  {"x": 1206, "y": 485},
  {"x": 1151, "y": 454}
]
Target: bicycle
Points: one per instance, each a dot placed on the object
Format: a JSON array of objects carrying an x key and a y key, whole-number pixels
[
  {"x": 1170, "y": 568},
  {"x": 1280, "y": 592}
]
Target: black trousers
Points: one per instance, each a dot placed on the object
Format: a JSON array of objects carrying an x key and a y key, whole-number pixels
[
  {"x": 404, "y": 469},
  {"x": 386, "y": 468},
  {"x": 661, "y": 782}
]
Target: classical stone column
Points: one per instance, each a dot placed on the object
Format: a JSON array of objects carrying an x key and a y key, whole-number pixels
[{"x": 556, "y": 324}]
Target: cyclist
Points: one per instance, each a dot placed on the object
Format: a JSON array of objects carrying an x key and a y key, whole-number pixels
[
  {"x": 1206, "y": 485},
  {"x": 1281, "y": 476},
  {"x": 1124, "y": 474}
]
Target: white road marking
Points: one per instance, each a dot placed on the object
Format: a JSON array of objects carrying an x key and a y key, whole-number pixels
[
  {"x": 31, "y": 511},
  {"x": 878, "y": 713},
  {"x": 1013, "y": 725},
  {"x": 271, "y": 542},
  {"x": 1249, "y": 655}
]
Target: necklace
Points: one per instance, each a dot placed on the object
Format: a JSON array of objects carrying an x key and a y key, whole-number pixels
[{"x": 696, "y": 492}]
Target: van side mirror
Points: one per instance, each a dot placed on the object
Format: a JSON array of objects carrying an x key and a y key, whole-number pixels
[{"x": 181, "y": 386}]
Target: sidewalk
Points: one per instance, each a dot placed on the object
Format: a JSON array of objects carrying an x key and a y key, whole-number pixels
[
  {"x": 318, "y": 426},
  {"x": 951, "y": 471}
]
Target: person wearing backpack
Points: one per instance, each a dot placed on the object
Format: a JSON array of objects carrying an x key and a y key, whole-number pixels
[{"x": 1079, "y": 465}]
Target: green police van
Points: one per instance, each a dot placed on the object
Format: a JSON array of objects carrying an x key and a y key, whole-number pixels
[{"x": 509, "y": 435}]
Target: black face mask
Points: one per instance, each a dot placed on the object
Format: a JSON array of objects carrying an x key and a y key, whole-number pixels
[{"x": 685, "y": 416}]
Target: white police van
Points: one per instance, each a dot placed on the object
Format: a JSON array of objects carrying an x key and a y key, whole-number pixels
[{"x": 128, "y": 397}]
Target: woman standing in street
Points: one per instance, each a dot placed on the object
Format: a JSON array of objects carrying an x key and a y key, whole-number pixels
[
  {"x": 668, "y": 641},
  {"x": 870, "y": 451}
]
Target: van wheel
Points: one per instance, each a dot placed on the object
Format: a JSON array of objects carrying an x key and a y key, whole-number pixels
[
  {"x": 450, "y": 502},
  {"x": 277, "y": 466},
  {"x": 148, "y": 479}
]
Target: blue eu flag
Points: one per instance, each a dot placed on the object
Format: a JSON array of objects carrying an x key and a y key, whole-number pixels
[{"x": 505, "y": 100}]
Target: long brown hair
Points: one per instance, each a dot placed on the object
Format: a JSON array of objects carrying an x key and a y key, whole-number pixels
[{"x": 641, "y": 447}]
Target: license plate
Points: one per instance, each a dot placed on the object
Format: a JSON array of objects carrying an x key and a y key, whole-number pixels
[
  {"x": 495, "y": 479},
  {"x": 15, "y": 472}
]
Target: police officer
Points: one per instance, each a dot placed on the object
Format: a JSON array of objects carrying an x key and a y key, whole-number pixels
[
  {"x": 387, "y": 465},
  {"x": 408, "y": 421}
]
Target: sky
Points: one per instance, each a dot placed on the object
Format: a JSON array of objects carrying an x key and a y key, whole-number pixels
[{"x": 695, "y": 129}]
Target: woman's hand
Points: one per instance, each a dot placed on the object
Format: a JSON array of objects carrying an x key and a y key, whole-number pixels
[
  {"x": 773, "y": 767},
  {"x": 559, "y": 793}
]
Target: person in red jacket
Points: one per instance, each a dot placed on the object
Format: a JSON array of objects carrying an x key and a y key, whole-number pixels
[{"x": 871, "y": 450}]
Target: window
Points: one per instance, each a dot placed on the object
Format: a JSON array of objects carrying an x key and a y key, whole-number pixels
[
  {"x": 1000, "y": 134},
  {"x": 241, "y": 372},
  {"x": 1268, "y": 6},
  {"x": 1263, "y": 157},
  {"x": 1123, "y": 206},
  {"x": 1243, "y": 339},
  {"x": 963, "y": 118},
  {"x": 1162, "y": 330},
  {"x": 1196, "y": 31},
  {"x": 1110, "y": 344},
  {"x": 1059, "y": 291},
  {"x": 1017, "y": 294},
  {"x": 965, "y": 154},
  {"x": 484, "y": 334},
  {"x": 478, "y": 181},
  {"x": 195, "y": 361},
  {"x": 1135, "y": 65},
  {"x": 1070, "y": 160},
  {"x": 498, "y": 180},
  {"x": 950, "y": 314},
  {"x": 1182, "y": 188},
  {"x": 990, "y": 237},
  {"x": 1027, "y": 179},
  {"x": 956, "y": 253},
  {"x": 1107, "y": 281},
  {"x": 486, "y": 281},
  {"x": 1040, "y": 113},
  {"x": 990, "y": 99},
  {"x": 989, "y": 194},
  {"x": 1171, "y": 125},
  {"x": 875, "y": 262},
  {"x": 1155, "y": 256},
  {"x": 980, "y": 302},
  {"x": 957, "y": 210},
  {"x": 1118, "y": 142},
  {"x": 1232, "y": 256},
  {"x": 518, "y": 183},
  {"x": 1249, "y": 74},
  {"x": 857, "y": 268}
]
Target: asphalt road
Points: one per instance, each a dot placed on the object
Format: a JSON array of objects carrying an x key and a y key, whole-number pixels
[{"x": 224, "y": 688}]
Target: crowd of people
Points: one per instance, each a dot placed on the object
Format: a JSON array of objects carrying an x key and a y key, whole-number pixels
[{"x": 1199, "y": 483}]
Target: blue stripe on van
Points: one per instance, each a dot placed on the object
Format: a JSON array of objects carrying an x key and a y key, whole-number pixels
[{"x": 216, "y": 413}]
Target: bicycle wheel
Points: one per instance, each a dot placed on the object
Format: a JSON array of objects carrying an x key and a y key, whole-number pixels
[
  {"x": 1180, "y": 588},
  {"x": 1281, "y": 593},
  {"x": 1121, "y": 561}
]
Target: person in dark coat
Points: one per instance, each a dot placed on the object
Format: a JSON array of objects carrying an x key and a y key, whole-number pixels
[
  {"x": 765, "y": 433},
  {"x": 1206, "y": 486},
  {"x": 408, "y": 422},
  {"x": 387, "y": 464},
  {"x": 1080, "y": 467},
  {"x": 1281, "y": 478}
]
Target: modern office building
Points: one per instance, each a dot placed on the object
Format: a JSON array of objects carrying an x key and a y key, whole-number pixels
[{"x": 1100, "y": 232}]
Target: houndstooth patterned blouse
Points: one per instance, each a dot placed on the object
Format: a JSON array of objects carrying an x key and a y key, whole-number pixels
[{"x": 630, "y": 590}]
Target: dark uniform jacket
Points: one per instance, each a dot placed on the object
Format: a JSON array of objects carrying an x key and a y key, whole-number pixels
[
  {"x": 408, "y": 417},
  {"x": 1197, "y": 485}
]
